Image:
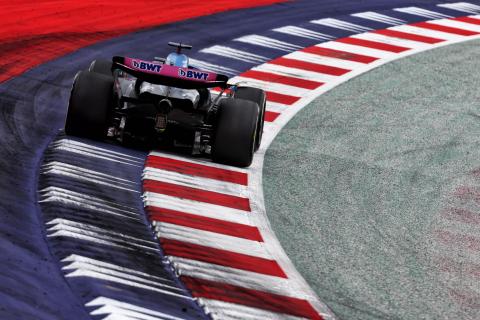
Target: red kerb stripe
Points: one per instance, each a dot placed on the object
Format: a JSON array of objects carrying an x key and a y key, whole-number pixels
[
  {"x": 373, "y": 44},
  {"x": 326, "y": 52},
  {"x": 437, "y": 27},
  {"x": 281, "y": 98},
  {"x": 251, "y": 298},
  {"x": 320, "y": 68},
  {"x": 198, "y": 170},
  {"x": 462, "y": 215},
  {"x": 461, "y": 240},
  {"x": 205, "y": 223},
  {"x": 468, "y": 20},
  {"x": 221, "y": 257},
  {"x": 271, "y": 116},
  {"x": 408, "y": 36},
  {"x": 190, "y": 193},
  {"x": 277, "y": 78}
]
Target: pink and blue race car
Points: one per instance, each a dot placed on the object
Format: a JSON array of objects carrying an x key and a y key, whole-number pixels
[{"x": 167, "y": 103}]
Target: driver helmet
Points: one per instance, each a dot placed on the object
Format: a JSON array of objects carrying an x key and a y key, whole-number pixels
[{"x": 177, "y": 60}]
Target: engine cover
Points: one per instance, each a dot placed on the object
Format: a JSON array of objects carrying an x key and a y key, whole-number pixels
[{"x": 191, "y": 96}]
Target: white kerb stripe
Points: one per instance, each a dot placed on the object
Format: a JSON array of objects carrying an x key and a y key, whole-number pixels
[
  {"x": 268, "y": 42},
  {"x": 211, "y": 239},
  {"x": 340, "y": 24},
  {"x": 78, "y": 175},
  {"x": 61, "y": 224},
  {"x": 304, "y": 33},
  {"x": 426, "y": 32},
  {"x": 115, "y": 273},
  {"x": 461, "y": 6},
  {"x": 78, "y": 236},
  {"x": 422, "y": 12},
  {"x": 235, "y": 54},
  {"x": 356, "y": 49},
  {"x": 94, "y": 174},
  {"x": 198, "y": 208},
  {"x": 294, "y": 72},
  {"x": 108, "y": 304},
  {"x": 92, "y": 148},
  {"x": 103, "y": 264},
  {"x": 126, "y": 282},
  {"x": 318, "y": 59},
  {"x": 458, "y": 24},
  {"x": 102, "y": 301},
  {"x": 204, "y": 161},
  {"x": 229, "y": 311},
  {"x": 374, "y": 16},
  {"x": 409, "y": 44},
  {"x": 115, "y": 313},
  {"x": 85, "y": 234},
  {"x": 212, "y": 67},
  {"x": 272, "y": 86},
  {"x": 275, "y": 107},
  {"x": 194, "y": 181}
]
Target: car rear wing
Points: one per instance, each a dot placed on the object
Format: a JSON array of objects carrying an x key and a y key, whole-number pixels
[{"x": 158, "y": 73}]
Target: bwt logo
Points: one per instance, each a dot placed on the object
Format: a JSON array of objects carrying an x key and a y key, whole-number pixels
[
  {"x": 146, "y": 66},
  {"x": 191, "y": 74}
]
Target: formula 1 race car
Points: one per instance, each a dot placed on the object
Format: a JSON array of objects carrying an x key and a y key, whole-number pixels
[{"x": 167, "y": 103}]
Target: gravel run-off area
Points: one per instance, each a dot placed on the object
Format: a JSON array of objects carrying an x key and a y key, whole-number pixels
[{"x": 374, "y": 190}]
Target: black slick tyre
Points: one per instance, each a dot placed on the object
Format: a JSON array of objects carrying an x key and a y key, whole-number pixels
[
  {"x": 101, "y": 66},
  {"x": 236, "y": 132},
  {"x": 258, "y": 96},
  {"x": 89, "y": 105}
]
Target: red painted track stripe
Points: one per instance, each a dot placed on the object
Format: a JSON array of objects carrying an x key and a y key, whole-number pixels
[
  {"x": 320, "y": 68},
  {"x": 204, "y": 223},
  {"x": 190, "y": 193},
  {"x": 373, "y": 44},
  {"x": 326, "y": 52},
  {"x": 198, "y": 170},
  {"x": 250, "y": 297},
  {"x": 277, "y": 78},
  {"x": 49, "y": 29},
  {"x": 408, "y": 36},
  {"x": 221, "y": 257},
  {"x": 281, "y": 98},
  {"x": 271, "y": 116},
  {"x": 468, "y": 20},
  {"x": 437, "y": 27}
]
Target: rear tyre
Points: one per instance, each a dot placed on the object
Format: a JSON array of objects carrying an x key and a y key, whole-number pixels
[
  {"x": 89, "y": 105},
  {"x": 259, "y": 97},
  {"x": 101, "y": 66},
  {"x": 236, "y": 132}
]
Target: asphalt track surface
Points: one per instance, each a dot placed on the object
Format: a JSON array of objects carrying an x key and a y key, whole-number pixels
[
  {"x": 33, "y": 107},
  {"x": 372, "y": 190}
]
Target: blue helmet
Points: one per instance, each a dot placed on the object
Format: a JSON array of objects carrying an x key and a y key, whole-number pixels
[{"x": 177, "y": 60}]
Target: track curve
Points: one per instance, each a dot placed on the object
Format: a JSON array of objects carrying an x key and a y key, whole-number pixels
[
  {"x": 30, "y": 96},
  {"x": 368, "y": 50}
]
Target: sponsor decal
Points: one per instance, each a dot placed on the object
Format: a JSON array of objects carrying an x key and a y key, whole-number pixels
[
  {"x": 147, "y": 66},
  {"x": 192, "y": 74}
]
